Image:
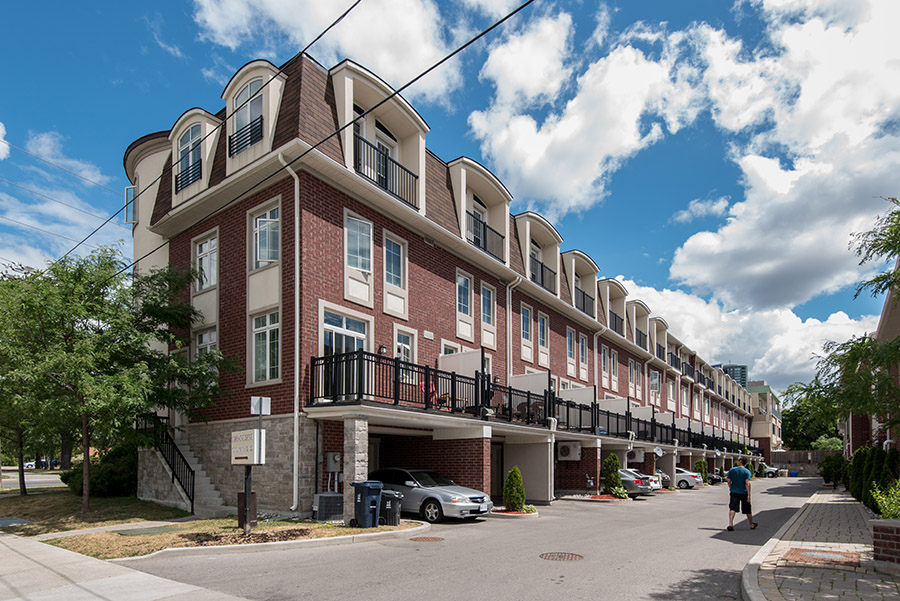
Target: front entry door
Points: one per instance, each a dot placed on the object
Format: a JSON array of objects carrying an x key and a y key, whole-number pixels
[
  {"x": 497, "y": 470},
  {"x": 342, "y": 335}
]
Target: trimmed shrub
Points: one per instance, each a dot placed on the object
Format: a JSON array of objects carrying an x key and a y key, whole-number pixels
[
  {"x": 892, "y": 465},
  {"x": 887, "y": 501},
  {"x": 761, "y": 470},
  {"x": 876, "y": 477},
  {"x": 702, "y": 468},
  {"x": 865, "y": 486},
  {"x": 514, "y": 490},
  {"x": 857, "y": 471},
  {"x": 830, "y": 465},
  {"x": 610, "y": 471},
  {"x": 112, "y": 475}
]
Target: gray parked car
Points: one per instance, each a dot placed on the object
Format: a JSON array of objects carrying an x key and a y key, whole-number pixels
[
  {"x": 635, "y": 483},
  {"x": 433, "y": 496}
]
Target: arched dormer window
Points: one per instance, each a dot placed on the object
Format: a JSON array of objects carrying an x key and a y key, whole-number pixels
[
  {"x": 189, "y": 158},
  {"x": 248, "y": 109}
]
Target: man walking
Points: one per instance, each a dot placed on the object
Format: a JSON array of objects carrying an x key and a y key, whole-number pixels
[{"x": 738, "y": 479}]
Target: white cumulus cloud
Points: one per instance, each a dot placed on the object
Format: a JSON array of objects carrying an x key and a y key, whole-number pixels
[
  {"x": 4, "y": 148},
  {"x": 49, "y": 146},
  {"x": 701, "y": 208}
]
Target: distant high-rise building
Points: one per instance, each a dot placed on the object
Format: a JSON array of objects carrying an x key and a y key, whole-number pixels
[{"x": 738, "y": 373}]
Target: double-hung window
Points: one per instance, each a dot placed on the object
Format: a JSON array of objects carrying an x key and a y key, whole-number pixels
[
  {"x": 206, "y": 341},
  {"x": 526, "y": 323},
  {"x": 206, "y": 263},
  {"x": 189, "y": 165},
  {"x": 543, "y": 330},
  {"x": 393, "y": 263},
  {"x": 266, "y": 238},
  {"x": 359, "y": 244},
  {"x": 463, "y": 294},
  {"x": 570, "y": 343},
  {"x": 487, "y": 305},
  {"x": 614, "y": 370},
  {"x": 265, "y": 347},
  {"x": 582, "y": 350},
  {"x": 405, "y": 343},
  {"x": 248, "y": 105}
]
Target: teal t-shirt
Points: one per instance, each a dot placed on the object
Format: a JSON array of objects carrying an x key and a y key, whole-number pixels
[{"x": 739, "y": 476}]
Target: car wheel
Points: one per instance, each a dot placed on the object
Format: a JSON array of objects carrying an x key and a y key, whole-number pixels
[
  {"x": 682, "y": 484},
  {"x": 770, "y": 475},
  {"x": 431, "y": 511},
  {"x": 353, "y": 523}
]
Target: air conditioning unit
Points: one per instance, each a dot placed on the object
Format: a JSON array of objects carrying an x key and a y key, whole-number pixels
[
  {"x": 328, "y": 506},
  {"x": 636, "y": 455},
  {"x": 568, "y": 451}
]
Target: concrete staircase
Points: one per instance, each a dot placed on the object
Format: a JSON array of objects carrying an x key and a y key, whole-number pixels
[{"x": 207, "y": 500}]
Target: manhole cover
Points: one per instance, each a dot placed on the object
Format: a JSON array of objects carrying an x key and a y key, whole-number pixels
[
  {"x": 426, "y": 539},
  {"x": 556, "y": 556}
]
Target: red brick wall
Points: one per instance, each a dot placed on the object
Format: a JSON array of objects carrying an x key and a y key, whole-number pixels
[
  {"x": 886, "y": 539},
  {"x": 572, "y": 475},
  {"x": 465, "y": 461},
  {"x": 332, "y": 433}
]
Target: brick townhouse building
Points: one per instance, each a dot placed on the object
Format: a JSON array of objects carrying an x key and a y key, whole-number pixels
[{"x": 395, "y": 311}]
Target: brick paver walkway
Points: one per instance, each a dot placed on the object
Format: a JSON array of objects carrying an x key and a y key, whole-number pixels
[{"x": 826, "y": 555}]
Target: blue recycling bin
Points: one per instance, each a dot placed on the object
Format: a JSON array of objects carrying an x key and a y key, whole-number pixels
[{"x": 367, "y": 500}]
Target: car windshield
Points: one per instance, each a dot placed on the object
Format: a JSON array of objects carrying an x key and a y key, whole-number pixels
[{"x": 430, "y": 479}]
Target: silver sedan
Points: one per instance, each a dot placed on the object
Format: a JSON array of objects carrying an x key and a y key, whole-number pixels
[{"x": 433, "y": 496}]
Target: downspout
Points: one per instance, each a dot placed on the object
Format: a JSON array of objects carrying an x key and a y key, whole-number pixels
[
  {"x": 509, "y": 353},
  {"x": 295, "y": 478}
]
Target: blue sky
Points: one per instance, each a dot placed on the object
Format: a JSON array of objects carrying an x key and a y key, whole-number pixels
[{"x": 715, "y": 156}]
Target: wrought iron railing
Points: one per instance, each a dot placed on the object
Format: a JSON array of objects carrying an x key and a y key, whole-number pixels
[
  {"x": 378, "y": 166},
  {"x": 660, "y": 352},
  {"x": 156, "y": 427},
  {"x": 245, "y": 137},
  {"x": 483, "y": 236},
  {"x": 640, "y": 338},
  {"x": 188, "y": 176},
  {"x": 363, "y": 377},
  {"x": 584, "y": 302},
  {"x": 687, "y": 369},
  {"x": 674, "y": 361},
  {"x": 543, "y": 276},
  {"x": 616, "y": 323}
]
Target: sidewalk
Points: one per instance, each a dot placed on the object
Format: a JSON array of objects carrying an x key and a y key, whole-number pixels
[{"x": 823, "y": 553}]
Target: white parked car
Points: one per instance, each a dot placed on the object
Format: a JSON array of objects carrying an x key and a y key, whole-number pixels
[{"x": 686, "y": 479}]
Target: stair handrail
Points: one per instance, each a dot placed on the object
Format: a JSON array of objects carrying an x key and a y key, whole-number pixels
[{"x": 182, "y": 472}]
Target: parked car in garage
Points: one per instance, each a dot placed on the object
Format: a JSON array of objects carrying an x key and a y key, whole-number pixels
[
  {"x": 654, "y": 479},
  {"x": 714, "y": 478},
  {"x": 687, "y": 479},
  {"x": 432, "y": 495},
  {"x": 635, "y": 484},
  {"x": 771, "y": 471},
  {"x": 664, "y": 478}
]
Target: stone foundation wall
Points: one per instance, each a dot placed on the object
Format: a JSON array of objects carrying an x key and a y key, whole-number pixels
[
  {"x": 211, "y": 442},
  {"x": 155, "y": 481}
]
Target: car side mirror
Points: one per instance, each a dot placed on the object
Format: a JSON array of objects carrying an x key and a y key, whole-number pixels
[{"x": 410, "y": 484}]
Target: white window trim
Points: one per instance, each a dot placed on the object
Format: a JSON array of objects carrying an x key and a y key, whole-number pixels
[
  {"x": 488, "y": 330},
  {"x": 195, "y": 242},
  {"x": 583, "y": 357},
  {"x": 465, "y": 323},
  {"x": 407, "y": 377},
  {"x": 196, "y": 346},
  {"x": 252, "y": 214},
  {"x": 392, "y": 291},
  {"x": 571, "y": 361},
  {"x": 614, "y": 370},
  {"x": 335, "y": 308},
  {"x": 454, "y": 345},
  {"x": 251, "y": 340},
  {"x": 604, "y": 370},
  {"x": 543, "y": 349},
  {"x": 526, "y": 344},
  {"x": 358, "y": 280}
]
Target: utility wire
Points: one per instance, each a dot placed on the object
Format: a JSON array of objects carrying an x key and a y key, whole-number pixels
[
  {"x": 42, "y": 230},
  {"x": 224, "y": 121},
  {"x": 60, "y": 167},
  {"x": 65, "y": 204},
  {"x": 338, "y": 130}
]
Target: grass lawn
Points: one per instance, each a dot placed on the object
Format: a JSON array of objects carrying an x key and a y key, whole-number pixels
[
  {"x": 59, "y": 509},
  {"x": 203, "y": 533}
]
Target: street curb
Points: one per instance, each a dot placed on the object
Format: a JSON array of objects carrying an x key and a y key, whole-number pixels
[
  {"x": 750, "y": 589},
  {"x": 281, "y": 545}
]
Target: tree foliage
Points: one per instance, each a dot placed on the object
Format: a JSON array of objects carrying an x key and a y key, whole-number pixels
[
  {"x": 92, "y": 345},
  {"x": 514, "y": 490},
  {"x": 805, "y": 419}
]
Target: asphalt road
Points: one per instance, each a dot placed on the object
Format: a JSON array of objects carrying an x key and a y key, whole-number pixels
[
  {"x": 672, "y": 545},
  {"x": 33, "y": 479}
]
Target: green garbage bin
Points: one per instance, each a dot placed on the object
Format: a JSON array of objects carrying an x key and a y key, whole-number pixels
[{"x": 367, "y": 498}]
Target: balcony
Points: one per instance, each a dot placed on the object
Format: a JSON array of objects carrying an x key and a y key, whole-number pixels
[
  {"x": 245, "y": 137},
  {"x": 188, "y": 176},
  {"x": 584, "y": 302},
  {"x": 660, "y": 352},
  {"x": 483, "y": 236},
  {"x": 675, "y": 361},
  {"x": 378, "y": 167},
  {"x": 616, "y": 323},
  {"x": 687, "y": 369},
  {"x": 361, "y": 377},
  {"x": 543, "y": 276},
  {"x": 640, "y": 337}
]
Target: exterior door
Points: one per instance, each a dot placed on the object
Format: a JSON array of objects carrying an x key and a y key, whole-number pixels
[{"x": 342, "y": 335}]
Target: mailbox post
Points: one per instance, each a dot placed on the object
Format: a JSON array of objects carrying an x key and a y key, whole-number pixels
[{"x": 248, "y": 448}]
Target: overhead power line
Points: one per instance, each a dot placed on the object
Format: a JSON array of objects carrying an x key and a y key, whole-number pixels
[
  {"x": 65, "y": 204},
  {"x": 225, "y": 120},
  {"x": 60, "y": 167},
  {"x": 34, "y": 227},
  {"x": 340, "y": 129}
]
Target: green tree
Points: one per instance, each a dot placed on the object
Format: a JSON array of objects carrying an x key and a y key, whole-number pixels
[
  {"x": 610, "y": 471},
  {"x": 857, "y": 471},
  {"x": 827, "y": 443},
  {"x": 514, "y": 490},
  {"x": 803, "y": 421},
  {"x": 103, "y": 346},
  {"x": 702, "y": 468}
]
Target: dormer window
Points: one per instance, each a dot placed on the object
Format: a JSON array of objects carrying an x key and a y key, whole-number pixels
[
  {"x": 189, "y": 158},
  {"x": 248, "y": 107}
]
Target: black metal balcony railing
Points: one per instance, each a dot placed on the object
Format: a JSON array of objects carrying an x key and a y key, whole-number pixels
[
  {"x": 674, "y": 361},
  {"x": 640, "y": 338},
  {"x": 616, "y": 323},
  {"x": 245, "y": 137},
  {"x": 156, "y": 427},
  {"x": 543, "y": 276},
  {"x": 362, "y": 377},
  {"x": 660, "y": 352},
  {"x": 377, "y": 166},
  {"x": 483, "y": 236},
  {"x": 687, "y": 369},
  {"x": 584, "y": 302},
  {"x": 188, "y": 176}
]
